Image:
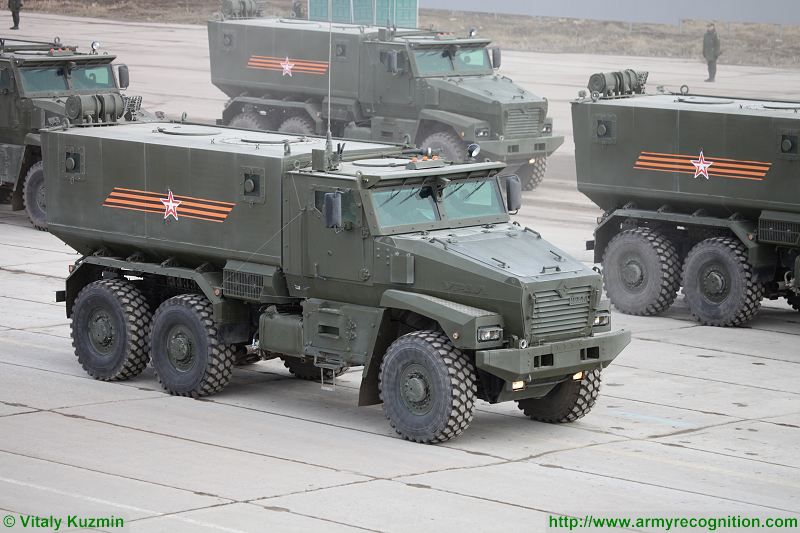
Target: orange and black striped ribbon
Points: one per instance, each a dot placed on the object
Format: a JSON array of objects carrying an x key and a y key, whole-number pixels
[
  {"x": 318, "y": 68},
  {"x": 720, "y": 167},
  {"x": 150, "y": 202}
]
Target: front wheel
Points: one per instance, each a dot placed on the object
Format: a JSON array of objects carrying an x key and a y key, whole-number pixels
[
  {"x": 427, "y": 386},
  {"x": 33, "y": 196},
  {"x": 567, "y": 402},
  {"x": 532, "y": 174},
  {"x": 187, "y": 353},
  {"x": 447, "y": 144},
  {"x": 719, "y": 284}
]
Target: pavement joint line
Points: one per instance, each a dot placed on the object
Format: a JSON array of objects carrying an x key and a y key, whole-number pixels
[
  {"x": 32, "y": 329},
  {"x": 671, "y": 343},
  {"x": 675, "y": 489},
  {"x": 35, "y": 249},
  {"x": 710, "y": 380},
  {"x": 287, "y": 510},
  {"x": 38, "y": 302},
  {"x": 661, "y": 404},
  {"x": 48, "y": 276},
  {"x": 210, "y": 444},
  {"x": 111, "y": 474},
  {"x": 732, "y": 456}
]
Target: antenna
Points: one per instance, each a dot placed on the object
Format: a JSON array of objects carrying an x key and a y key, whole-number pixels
[{"x": 328, "y": 136}]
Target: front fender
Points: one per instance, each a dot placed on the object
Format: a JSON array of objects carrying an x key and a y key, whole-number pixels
[
  {"x": 453, "y": 120},
  {"x": 458, "y": 321}
]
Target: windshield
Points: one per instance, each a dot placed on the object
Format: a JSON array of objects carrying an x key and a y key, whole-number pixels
[
  {"x": 52, "y": 79},
  {"x": 450, "y": 61},
  {"x": 416, "y": 205}
]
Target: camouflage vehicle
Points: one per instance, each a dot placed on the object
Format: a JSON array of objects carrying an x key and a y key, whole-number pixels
[
  {"x": 44, "y": 85},
  {"x": 707, "y": 200},
  {"x": 432, "y": 89},
  {"x": 202, "y": 245}
]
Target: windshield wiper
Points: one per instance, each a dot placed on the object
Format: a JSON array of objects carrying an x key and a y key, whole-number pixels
[
  {"x": 413, "y": 193},
  {"x": 458, "y": 188},
  {"x": 467, "y": 197}
]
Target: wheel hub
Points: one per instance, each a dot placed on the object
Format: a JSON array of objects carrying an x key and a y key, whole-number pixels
[
  {"x": 632, "y": 273},
  {"x": 180, "y": 350},
  {"x": 101, "y": 331},
  {"x": 416, "y": 389},
  {"x": 40, "y": 198},
  {"x": 715, "y": 283}
]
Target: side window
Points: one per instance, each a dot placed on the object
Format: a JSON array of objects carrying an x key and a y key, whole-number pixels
[{"x": 6, "y": 85}]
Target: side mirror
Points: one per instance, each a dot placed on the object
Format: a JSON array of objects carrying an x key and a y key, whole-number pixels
[
  {"x": 332, "y": 210},
  {"x": 497, "y": 57},
  {"x": 124, "y": 76},
  {"x": 391, "y": 62},
  {"x": 513, "y": 193}
]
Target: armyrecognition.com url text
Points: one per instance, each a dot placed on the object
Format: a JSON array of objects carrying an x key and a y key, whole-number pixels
[{"x": 675, "y": 523}]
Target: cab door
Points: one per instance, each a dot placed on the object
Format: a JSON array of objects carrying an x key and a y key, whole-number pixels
[{"x": 11, "y": 136}]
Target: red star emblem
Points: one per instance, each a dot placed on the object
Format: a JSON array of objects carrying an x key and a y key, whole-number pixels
[
  {"x": 701, "y": 166},
  {"x": 287, "y": 67},
  {"x": 170, "y": 206}
]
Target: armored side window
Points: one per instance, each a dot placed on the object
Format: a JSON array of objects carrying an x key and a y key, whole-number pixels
[{"x": 5, "y": 80}]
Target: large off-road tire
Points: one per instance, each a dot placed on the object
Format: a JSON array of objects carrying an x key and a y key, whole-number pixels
[
  {"x": 719, "y": 284},
  {"x": 641, "y": 272},
  {"x": 249, "y": 120},
  {"x": 33, "y": 196},
  {"x": 427, "y": 386},
  {"x": 303, "y": 368},
  {"x": 447, "y": 143},
  {"x": 110, "y": 329},
  {"x": 532, "y": 175},
  {"x": 298, "y": 125},
  {"x": 186, "y": 350},
  {"x": 567, "y": 402}
]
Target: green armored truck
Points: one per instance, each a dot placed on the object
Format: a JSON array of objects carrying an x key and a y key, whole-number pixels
[
  {"x": 204, "y": 244},
  {"x": 698, "y": 191},
  {"x": 436, "y": 90},
  {"x": 46, "y": 84}
]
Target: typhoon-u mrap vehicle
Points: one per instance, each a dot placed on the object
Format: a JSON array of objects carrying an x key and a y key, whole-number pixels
[
  {"x": 47, "y": 84},
  {"x": 435, "y": 90},
  {"x": 698, "y": 191},
  {"x": 201, "y": 244}
]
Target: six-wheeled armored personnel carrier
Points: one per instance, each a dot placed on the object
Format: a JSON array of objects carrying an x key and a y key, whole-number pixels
[
  {"x": 46, "y": 84},
  {"x": 436, "y": 90},
  {"x": 202, "y": 242},
  {"x": 698, "y": 191}
]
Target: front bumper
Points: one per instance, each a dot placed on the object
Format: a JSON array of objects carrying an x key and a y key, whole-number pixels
[
  {"x": 520, "y": 151},
  {"x": 553, "y": 360}
]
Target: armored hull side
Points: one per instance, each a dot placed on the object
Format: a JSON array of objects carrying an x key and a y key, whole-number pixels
[{"x": 721, "y": 155}]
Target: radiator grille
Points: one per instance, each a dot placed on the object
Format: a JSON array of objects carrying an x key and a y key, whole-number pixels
[
  {"x": 244, "y": 285},
  {"x": 523, "y": 123},
  {"x": 779, "y": 232},
  {"x": 554, "y": 314}
]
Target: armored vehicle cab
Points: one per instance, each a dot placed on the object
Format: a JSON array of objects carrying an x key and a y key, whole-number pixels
[
  {"x": 202, "y": 245},
  {"x": 433, "y": 89},
  {"x": 44, "y": 85},
  {"x": 698, "y": 191}
]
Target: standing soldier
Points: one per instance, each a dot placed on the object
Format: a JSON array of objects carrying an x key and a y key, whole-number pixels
[
  {"x": 297, "y": 10},
  {"x": 14, "y": 6},
  {"x": 711, "y": 50}
]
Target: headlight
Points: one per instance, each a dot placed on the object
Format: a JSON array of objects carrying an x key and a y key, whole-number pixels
[
  {"x": 602, "y": 320},
  {"x": 482, "y": 132},
  {"x": 490, "y": 333}
]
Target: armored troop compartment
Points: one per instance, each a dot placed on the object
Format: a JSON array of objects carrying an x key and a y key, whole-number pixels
[
  {"x": 397, "y": 85},
  {"x": 205, "y": 247},
  {"x": 698, "y": 191}
]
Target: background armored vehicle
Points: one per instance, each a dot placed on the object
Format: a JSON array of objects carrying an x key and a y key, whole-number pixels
[
  {"x": 199, "y": 242},
  {"x": 435, "y": 90},
  {"x": 44, "y": 85},
  {"x": 698, "y": 191}
]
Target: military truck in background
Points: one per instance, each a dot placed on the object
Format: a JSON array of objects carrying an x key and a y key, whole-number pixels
[
  {"x": 203, "y": 243},
  {"x": 46, "y": 84},
  {"x": 698, "y": 191},
  {"x": 433, "y": 89}
]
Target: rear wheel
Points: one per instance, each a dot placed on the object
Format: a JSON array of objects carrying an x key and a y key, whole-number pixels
[
  {"x": 298, "y": 125},
  {"x": 641, "y": 272},
  {"x": 449, "y": 146},
  {"x": 567, "y": 402},
  {"x": 187, "y": 352},
  {"x": 250, "y": 120},
  {"x": 719, "y": 284},
  {"x": 427, "y": 386},
  {"x": 33, "y": 196},
  {"x": 532, "y": 174},
  {"x": 303, "y": 368},
  {"x": 110, "y": 326}
]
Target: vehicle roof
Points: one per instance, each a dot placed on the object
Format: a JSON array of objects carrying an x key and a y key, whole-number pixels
[
  {"x": 709, "y": 104},
  {"x": 411, "y": 35}
]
